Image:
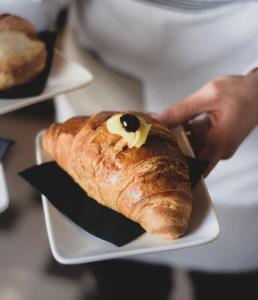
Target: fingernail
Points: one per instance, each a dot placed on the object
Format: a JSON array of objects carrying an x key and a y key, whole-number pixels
[
  {"x": 162, "y": 117},
  {"x": 154, "y": 115}
]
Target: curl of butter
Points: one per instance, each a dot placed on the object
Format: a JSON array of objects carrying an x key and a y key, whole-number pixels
[{"x": 133, "y": 139}]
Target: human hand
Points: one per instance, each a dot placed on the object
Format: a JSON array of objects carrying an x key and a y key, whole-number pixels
[{"x": 231, "y": 107}]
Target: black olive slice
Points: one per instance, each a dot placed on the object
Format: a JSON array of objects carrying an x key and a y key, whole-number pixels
[{"x": 130, "y": 122}]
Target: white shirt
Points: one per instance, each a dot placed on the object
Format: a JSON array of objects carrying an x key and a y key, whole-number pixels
[{"x": 174, "y": 53}]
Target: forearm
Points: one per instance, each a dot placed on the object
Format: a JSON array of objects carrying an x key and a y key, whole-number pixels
[
  {"x": 253, "y": 77},
  {"x": 255, "y": 71}
]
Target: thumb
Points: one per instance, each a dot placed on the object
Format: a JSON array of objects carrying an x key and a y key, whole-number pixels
[
  {"x": 212, "y": 155},
  {"x": 212, "y": 152},
  {"x": 184, "y": 110}
]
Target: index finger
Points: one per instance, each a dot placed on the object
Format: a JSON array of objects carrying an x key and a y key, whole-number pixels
[{"x": 186, "y": 109}]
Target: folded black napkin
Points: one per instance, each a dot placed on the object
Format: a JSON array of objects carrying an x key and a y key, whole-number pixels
[
  {"x": 68, "y": 197},
  {"x": 37, "y": 85},
  {"x": 5, "y": 144},
  {"x": 196, "y": 169}
]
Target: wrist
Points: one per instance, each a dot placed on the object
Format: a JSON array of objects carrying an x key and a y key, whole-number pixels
[{"x": 253, "y": 77}]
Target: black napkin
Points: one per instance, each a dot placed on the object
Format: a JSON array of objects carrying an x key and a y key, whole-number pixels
[
  {"x": 196, "y": 169},
  {"x": 73, "y": 202},
  {"x": 37, "y": 85},
  {"x": 4, "y": 146}
]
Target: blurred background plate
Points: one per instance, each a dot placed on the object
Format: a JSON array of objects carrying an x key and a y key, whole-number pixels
[
  {"x": 4, "y": 201},
  {"x": 72, "y": 245},
  {"x": 65, "y": 76}
]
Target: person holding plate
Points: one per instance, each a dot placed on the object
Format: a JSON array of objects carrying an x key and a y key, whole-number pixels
[{"x": 196, "y": 61}]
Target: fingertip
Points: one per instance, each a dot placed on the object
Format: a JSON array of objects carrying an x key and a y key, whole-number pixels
[
  {"x": 153, "y": 115},
  {"x": 162, "y": 117}
]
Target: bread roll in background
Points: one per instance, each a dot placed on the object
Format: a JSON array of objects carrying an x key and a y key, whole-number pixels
[{"x": 22, "y": 54}]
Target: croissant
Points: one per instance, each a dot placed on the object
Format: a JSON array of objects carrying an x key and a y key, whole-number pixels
[{"x": 148, "y": 184}]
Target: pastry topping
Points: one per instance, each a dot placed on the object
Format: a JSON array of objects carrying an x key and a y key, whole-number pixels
[
  {"x": 132, "y": 128},
  {"x": 130, "y": 122}
]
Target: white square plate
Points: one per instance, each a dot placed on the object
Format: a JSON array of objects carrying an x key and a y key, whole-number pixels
[
  {"x": 4, "y": 201},
  {"x": 72, "y": 245},
  {"x": 65, "y": 76}
]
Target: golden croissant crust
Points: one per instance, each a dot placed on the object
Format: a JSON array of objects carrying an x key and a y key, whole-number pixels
[
  {"x": 22, "y": 55},
  {"x": 149, "y": 185}
]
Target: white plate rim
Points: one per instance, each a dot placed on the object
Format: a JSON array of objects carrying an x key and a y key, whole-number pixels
[
  {"x": 50, "y": 95},
  {"x": 126, "y": 253},
  {"x": 4, "y": 193}
]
